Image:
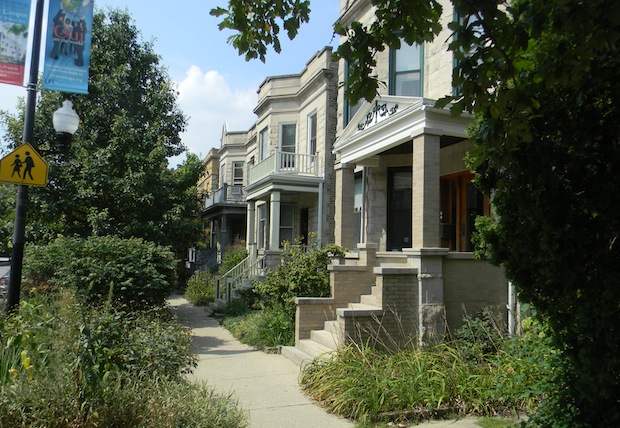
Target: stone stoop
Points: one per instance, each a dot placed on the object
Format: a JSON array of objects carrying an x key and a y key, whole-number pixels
[
  {"x": 320, "y": 345},
  {"x": 323, "y": 342}
]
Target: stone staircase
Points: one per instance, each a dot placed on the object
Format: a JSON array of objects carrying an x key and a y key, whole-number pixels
[{"x": 352, "y": 305}]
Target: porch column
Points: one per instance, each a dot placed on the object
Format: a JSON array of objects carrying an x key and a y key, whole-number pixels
[
  {"x": 343, "y": 220},
  {"x": 274, "y": 221},
  {"x": 224, "y": 233},
  {"x": 425, "y": 192},
  {"x": 250, "y": 231},
  {"x": 319, "y": 226}
]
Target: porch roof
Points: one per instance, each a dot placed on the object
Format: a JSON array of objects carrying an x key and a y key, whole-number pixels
[{"x": 390, "y": 121}]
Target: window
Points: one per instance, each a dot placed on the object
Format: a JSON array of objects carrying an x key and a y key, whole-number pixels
[
  {"x": 312, "y": 134},
  {"x": 287, "y": 137},
  {"x": 406, "y": 70},
  {"x": 263, "y": 144},
  {"x": 237, "y": 173},
  {"x": 358, "y": 206},
  {"x": 222, "y": 174},
  {"x": 262, "y": 223},
  {"x": 287, "y": 144},
  {"x": 349, "y": 109},
  {"x": 286, "y": 222}
]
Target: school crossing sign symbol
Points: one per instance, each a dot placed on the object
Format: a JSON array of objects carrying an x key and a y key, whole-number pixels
[{"x": 24, "y": 166}]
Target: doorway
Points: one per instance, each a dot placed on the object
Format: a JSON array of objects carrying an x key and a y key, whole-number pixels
[{"x": 399, "y": 208}]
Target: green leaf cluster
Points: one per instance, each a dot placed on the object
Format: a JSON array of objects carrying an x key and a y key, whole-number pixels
[
  {"x": 107, "y": 269},
  {"x": 303, "y": 274},
  {"x": 258, "y": 24}
]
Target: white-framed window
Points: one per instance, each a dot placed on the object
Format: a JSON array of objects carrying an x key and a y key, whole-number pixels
[
  {"x": 288, "y": 137},
  {"x": 287, "y": 214},
  {"x": 261, "y": 211},
  {"x": 238, "y": 173},
  {"x": 263, "y": 144},
  {"x": 222, "y": 174},
  {"x": 312, "y": 131},
  {"x": 406, "y": 70}
]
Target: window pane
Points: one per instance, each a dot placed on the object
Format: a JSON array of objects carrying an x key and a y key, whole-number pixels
[
  {"x": 407, "y": 57},
  {"x": 407, "y": 84},
  {"x": 288, "y": 137},
  {"x": 286, "y": 215},
  {"x": 312, "y": 134}
]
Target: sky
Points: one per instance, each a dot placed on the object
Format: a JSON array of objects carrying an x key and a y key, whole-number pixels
[{"x": 216, "y": 86}]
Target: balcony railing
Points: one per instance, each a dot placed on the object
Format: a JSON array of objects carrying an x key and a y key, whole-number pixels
[
  {"x": 230, "y": 194},
  {"x": 284, "y": 163}
]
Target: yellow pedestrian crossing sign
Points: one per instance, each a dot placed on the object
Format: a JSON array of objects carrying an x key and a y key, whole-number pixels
[{"x": 24, "y": 166}]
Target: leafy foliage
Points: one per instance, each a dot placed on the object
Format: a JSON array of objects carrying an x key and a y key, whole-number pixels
[
  {"x": 200, "y": 288},
  {"x": 411, "y": 385},
  {"x": 261, "y": 22},
  {"x": 126, "y": 272},
  {"x": 303, "y": 274},
  {"x": 268, "y": 328},
  {"x": 70, "y": 366},
  {"x": 115, "y": 178}
]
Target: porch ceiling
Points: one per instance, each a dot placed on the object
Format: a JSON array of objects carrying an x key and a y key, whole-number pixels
[{"x": 293, "y": 184}]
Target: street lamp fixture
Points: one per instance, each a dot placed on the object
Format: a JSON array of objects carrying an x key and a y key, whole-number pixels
[{"x": 66, "y": 122}]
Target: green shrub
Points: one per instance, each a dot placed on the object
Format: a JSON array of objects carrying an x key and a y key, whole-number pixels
[
  {"x": 200, "y": 288},
  {"x": 232, "y": 257},
  {"x": 369, "y": 385},
  {"x": 128, "y": 272},
  {"x": 235, "y": 308},
  {"x": 65, "y": 365},
  {"x": 267, "y": 328},
  {"x": 482, "y": 332},
  {"x": 303, "y": 274}
]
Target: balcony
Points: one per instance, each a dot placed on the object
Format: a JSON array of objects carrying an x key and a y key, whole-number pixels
[
  {"x": 284, "y": 164},
  {"x": 226, "y": 195}
]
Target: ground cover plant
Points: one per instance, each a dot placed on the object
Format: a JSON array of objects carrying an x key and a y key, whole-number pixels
[
  {"x": 67, "y": 362},
  {"x": 448, "y": 379}
]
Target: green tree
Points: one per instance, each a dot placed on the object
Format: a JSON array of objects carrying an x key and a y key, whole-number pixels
[
  {"x": 115, "y": 179},
  {"x": 541, "y": 78}
]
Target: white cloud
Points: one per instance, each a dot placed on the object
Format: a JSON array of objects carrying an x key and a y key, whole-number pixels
[{"x": 209, "y": 102}]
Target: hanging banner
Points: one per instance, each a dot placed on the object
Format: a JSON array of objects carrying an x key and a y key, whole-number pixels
[
  {"x": 14, "y": 20},
  {"x": 67, "y": 47}
]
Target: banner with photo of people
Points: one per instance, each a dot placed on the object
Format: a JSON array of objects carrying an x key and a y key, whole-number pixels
[
  {"x": 67, "y": 46},
  {"x": 14, "y": 20}
]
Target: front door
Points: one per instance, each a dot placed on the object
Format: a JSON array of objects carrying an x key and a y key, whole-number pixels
[{"x": 399, "y": 208}]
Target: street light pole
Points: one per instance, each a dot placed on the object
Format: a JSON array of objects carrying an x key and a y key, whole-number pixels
[{"x": 21, "y": 207}]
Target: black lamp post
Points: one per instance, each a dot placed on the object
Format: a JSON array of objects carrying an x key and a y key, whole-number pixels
[{"x": 65, "y": 122}]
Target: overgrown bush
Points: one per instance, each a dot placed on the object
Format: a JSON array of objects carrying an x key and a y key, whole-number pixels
[
  {"x": 267, "y": 328},
  {"x": 370, "y": 385},
  {"x": 66, "y": 365},
  {"x": 200, "y": 288},
  {"x": 231, "y": 258},
  {"x": 303, "y": 274},
  {"x": 127, "y": 272}
]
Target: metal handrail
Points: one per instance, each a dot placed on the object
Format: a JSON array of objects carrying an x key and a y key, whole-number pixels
[{"x": 233, "y": 279}]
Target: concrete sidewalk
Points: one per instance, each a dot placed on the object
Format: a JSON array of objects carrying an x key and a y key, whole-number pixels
[{"x": 265, "y": 385}]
